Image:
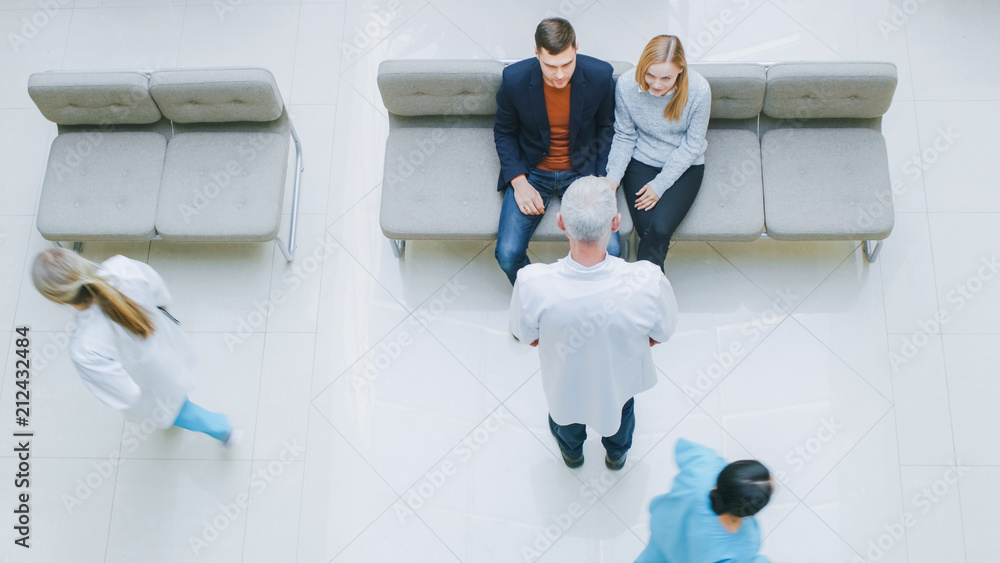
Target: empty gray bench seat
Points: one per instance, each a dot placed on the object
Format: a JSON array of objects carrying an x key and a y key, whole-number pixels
[
  {"x": 224, "y": 174},
  {"x": 825, "y": 165},
  {"x": 185, "y": 155},
  {"x": 101, "y": 182}
]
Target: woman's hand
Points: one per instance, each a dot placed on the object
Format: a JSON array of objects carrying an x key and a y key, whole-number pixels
[{"x": 646, "y": 198}]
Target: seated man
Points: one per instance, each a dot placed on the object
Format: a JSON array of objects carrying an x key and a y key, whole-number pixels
[
  {"x": 594, "y": 318},
  {"x": 554, "y": 123}
]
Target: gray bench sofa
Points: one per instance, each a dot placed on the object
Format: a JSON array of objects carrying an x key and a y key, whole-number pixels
[
  {"x": 795, "y": 152},
  {"x": 183, "y": 155}
]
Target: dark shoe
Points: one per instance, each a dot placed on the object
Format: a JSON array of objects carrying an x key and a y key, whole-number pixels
[
  {"x": 571, "y": 462},
  {"x": 615, "y": 465}
]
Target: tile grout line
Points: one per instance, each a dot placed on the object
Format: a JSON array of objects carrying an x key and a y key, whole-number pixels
[
  {"x": 892, "y": 388},
  {"x": 363, "y": 458},
  {"x": 934, "y": 276},
  {"x": 832, "y": 469},
  {"x": 256, "y": 428},
  {"x": 458, "y": 27},
  {"x": 726, "y": 34},
  {"x": 313, "y": 362},
  {"x": 180, "y": 42},
  {"x": 954, "y": 443},
  {"x": 807, "y": 30},
  {"x": 114, "y": 497},
  {"x": 445, "y": 348},
  {"x": 344, "y": 69},
  {"x": 267, "y": 318},
  {"x": 849, "y": 366}
]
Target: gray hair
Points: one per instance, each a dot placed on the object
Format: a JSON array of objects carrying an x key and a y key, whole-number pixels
[{"x": 588, "y": 208}]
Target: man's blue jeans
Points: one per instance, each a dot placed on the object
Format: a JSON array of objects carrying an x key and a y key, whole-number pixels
[
  {"x": 572, "y": 436},
  {"x": 516, "y": 228}
]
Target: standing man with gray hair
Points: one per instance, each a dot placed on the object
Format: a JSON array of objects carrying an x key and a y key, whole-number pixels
[{"x": 594, "y": 318}]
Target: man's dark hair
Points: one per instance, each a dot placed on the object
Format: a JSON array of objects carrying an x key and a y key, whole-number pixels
[
  {"x": 742, "y": 489},
  {"x": 555, "y": 35}
]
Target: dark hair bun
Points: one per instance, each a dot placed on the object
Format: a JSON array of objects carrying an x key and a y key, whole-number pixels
[
  {"x": 742, "y": 489},
  {"x": 717, "y": 505}
]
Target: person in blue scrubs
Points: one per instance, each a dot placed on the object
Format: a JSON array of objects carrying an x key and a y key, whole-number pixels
[{"x": 707, "y": 517}]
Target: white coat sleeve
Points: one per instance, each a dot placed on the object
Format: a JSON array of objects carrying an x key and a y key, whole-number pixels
[
  {"x": 666, "y": 313},
  {"x": 106, "y": 379},
  {"x": 523, "y": 325}
]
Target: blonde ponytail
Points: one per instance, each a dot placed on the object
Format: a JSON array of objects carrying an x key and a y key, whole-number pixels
[
  {"x": 120, "y": 309},
  {"x": 67, "y": 278}
]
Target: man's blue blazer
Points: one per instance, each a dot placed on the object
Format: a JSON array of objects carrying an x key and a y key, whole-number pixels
[{"x": 521, "y": 130}]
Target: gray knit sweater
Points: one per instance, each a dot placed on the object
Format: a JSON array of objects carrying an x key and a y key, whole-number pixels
[{"x": 642, "y": 133}]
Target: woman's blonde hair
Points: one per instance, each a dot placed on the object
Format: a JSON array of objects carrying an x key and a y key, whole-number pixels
[
  {"x": 65, "y": 277},
  {"x": 661, "y": 49}
]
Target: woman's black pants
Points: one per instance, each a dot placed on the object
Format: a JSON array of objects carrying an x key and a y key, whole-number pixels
[{"x": 655, "y": 226}]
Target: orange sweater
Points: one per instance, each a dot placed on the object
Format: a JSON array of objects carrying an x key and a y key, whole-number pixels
[{"x": 557, "y": 106}]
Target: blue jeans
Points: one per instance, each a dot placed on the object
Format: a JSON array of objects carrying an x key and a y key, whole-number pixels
[
  {"x": 197, "y": 419},
  {"x": 516, "y": 228},
  {"x": 571, "y": 437}
]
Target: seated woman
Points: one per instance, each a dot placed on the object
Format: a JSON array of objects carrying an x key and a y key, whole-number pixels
[
  {"x": 658, "y": 151},
  {"x": 707, "y": 515}
]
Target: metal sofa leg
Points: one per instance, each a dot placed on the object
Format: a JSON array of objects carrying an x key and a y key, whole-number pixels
[
  {"x": 77, "y": 246},
  {"x": 289, "y": 253},
  {"x": 871, "y": 249},
  {"x": 398, "y": 247},
  {"x": 286, "y": 250}
]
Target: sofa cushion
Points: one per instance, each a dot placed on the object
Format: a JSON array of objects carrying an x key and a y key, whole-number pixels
[
  {"x": 101, "y": 186},
  {"x": 826, "y": 184},
  {"x": 441, "y": 184},
  {"x": 737, "y": 88},
  {"x": 216, "y": 188},
  {"x": 216, "y": 94},
  {"x": 829, "y": 90},
  {"x": 91, "y": 98},
  {"x": 730, "y": 202},
  {"x": 440, "y": 87},
  {"x": 619, "y": 68}
]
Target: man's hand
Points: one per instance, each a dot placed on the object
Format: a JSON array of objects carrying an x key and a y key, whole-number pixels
[
  {"x": 529, "y": 201},
  {"x": 534, "y": 344},
  {"x": 652, "y": 342},
  {"x": 646, "y": 198}
]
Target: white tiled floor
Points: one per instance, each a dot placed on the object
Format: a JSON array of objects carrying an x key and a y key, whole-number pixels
[{"x": 389, "y": 415}]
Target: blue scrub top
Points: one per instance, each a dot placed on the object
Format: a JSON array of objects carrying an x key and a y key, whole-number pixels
[{"x": 684, "y": 527}]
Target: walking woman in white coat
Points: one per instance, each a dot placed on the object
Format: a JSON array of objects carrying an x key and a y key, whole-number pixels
[{"x": 126, "y": 347}]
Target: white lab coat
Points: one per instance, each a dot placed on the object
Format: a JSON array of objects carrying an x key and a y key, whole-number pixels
[
  {"x": 147, "y": 379},
  {"x": 593, "y": 326}
]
